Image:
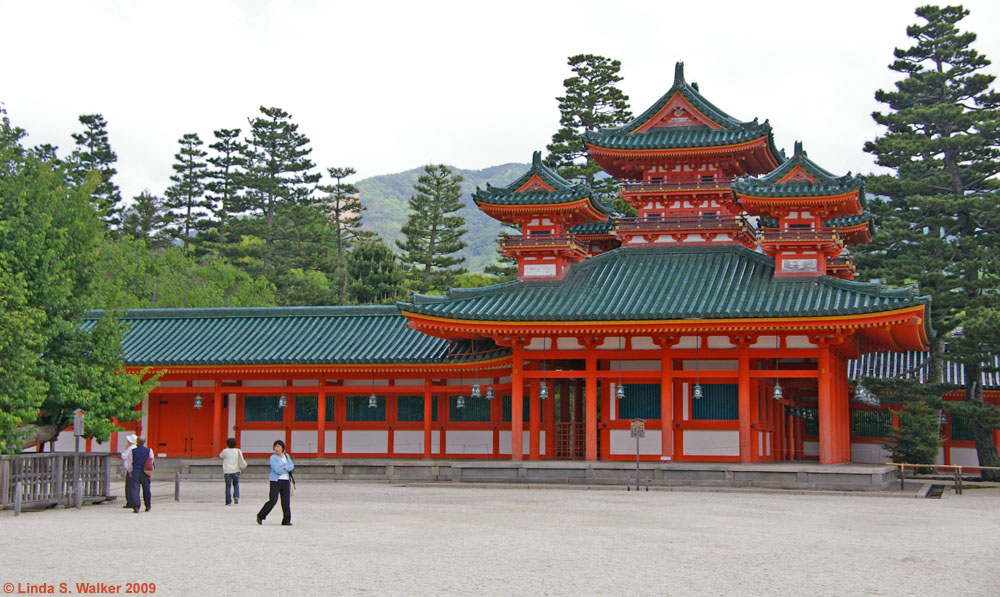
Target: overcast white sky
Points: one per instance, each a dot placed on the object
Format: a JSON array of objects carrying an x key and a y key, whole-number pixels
[{"x": 388, "y": 86}]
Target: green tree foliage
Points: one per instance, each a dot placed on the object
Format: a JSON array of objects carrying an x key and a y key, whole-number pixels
[
  {"x": 93, "y": 154},
  {"x": 186, "y": 197},
  {"x": 918, "y": 437},
  {"x": 225, "y": 177},
  {"x": 591, "y": 102},
  {"x": 146, "y": 220},
  {"x": 131, "y": 276},
  {"x": 375, "y": 276},
  {"x": 343, "y": 204},
  {"x": 49, "y": 235},
  {"x": 937, "y": 216},
  {"x": 434, "y": 230}
]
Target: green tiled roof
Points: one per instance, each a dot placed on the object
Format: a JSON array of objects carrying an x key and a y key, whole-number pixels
[
  {"x": 280, "y": 335},
  {"x": 733, "y": 131},
  {"x": 848, "y": 221},
  {"x": 564, "y": 192},
  {"x": 591, "y": 228},
  {"x": 667, "y": 283},
  {"x": 829, "y": 184}
]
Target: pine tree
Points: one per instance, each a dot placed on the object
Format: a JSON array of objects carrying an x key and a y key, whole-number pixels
[
  {"x": 225, "y": 177},
  {"x": 93, "y": 153},
  {"x": 343, "y": 204},
  {"x": 186, "y": 197},
  {"x": 592, "y": 102},
  {"x": 146, "y": 220},
  {"x": 434, "y": 230},
  {"x": 937, "y": 216},
  {"x": 376, "y": 277},
  {"x": 278, "y": 171}
]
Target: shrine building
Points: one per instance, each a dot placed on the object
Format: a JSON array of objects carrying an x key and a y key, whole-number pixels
[{"x": 724, "y": 314}]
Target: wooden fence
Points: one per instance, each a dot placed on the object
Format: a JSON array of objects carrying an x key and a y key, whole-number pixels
[{"x": 51, "y": 479}]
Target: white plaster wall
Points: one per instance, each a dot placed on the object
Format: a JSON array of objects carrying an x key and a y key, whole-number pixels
[
  {"x": 469, "y": 442},
  {"x": 539, "y": 344},
  {"x": 703, "y": 442},
  {"x": 365, "y": 382},
  {"x": 644, "y": 343},
  {"x": 262, "y": 383},
  {"x": 720, "y": 342},
  {"x": 329, "y": 441},
  {"x": 436, "y": 441},
  {"x": 365, "y": 441},
  {"x": 613, "y": 343},
  {"x": 305, "y": 382},
  {"x": 964, "y": 456},
  {"x": 569, "y": 344},
  {"x": 304, "y": 440},
  {"x": 99, "y": 448},
  {"x": 797, "y": 342},
  {"x": 720, "y": 365},
  {"x": 622, "y": 442},
  {"x": 407, "y": 442},
  {"x": 539, "y": 270},
  {"x": 765, "y": 342},
  {"x": 260, "y": 440},
  {"x": 810, "y": 448},
  {"x": 525, "y": 442},
  {"x": 869, "y": 454},
  {"x": 172, "y": 383}
]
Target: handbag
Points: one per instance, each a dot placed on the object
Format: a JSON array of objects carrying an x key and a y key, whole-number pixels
[
  {"x": 243, "y": 462},
  {"x": 291, "y": 484},
  {"x": 147, "y": 467}
]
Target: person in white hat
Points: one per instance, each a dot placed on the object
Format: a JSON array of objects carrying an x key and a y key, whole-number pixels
[{"x": 129, "y": 481}]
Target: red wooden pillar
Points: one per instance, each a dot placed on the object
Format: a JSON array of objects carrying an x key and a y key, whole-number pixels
[
  {"x": 517, "y": 406},
  {"x": 590, "y": 399},
  {"x": 549, "y": 418},
  {"x": 666, "y": 405},
  {"x": 496, "y": 417},
  {"x": 428, "y": 414},
  {"x": 321, "y": 422},
  {"x": 745, "y": 414},
  {"x": 534, "y": 424},
  {"x": 217, "y": 418},
  {"x": 826, "y": 411}
]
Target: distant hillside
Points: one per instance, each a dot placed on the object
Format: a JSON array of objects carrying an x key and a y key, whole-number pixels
[{"x": 385, "y": 198}]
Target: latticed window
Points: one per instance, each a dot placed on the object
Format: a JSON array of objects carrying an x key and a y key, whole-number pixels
[
  {"x": 719, "y": 402},
  {"x": 961, "y": 429},
  {"x": 261, "y": 408},
  {"x": 507, "y": 417},
  {"x": 476, "y": 409},
  {"x": 812, "y": 423},
  {"x": 642, "y": 401},
  {"x": 411, "y": 408},
  {"x": 358, "y": 409},
  {"x": 871, "y": 423},
  {"x": 306, "y": 408}
]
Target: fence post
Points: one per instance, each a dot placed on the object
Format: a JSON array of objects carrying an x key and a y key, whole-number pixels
[
  {"x": 902, "y": 477},
  {"x": 4, "y": 480},
  {"x": 107, "y": 476},
  {"x": 177, "y": 487},
  {"x": 77, "y": 488},
  {"x": 17, "y": 498}
]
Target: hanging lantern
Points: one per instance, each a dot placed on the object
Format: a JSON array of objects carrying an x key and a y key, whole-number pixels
[
  {"x": 197, "y": 401},
  {"x": 777, "y": 391},
  {"x": 476, "y": 393},
  {"x": 489, "y": 393},
  {"x": 620, "y": 392},
  {"x": 372, "y": 401},
  {"x": 543, "y": 390},
  {"x": 282, "y": 401},
  {"x": 696, "y": 392},
  {"x": 460, "y": 402}
]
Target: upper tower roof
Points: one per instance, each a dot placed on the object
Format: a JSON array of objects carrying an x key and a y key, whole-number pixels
[
  {"x": 799, "y": 176},
  {"x": 541, "y": 189},
  {"x": 684, "y": 119}
]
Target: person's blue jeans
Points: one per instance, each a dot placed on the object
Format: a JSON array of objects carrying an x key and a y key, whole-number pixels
[{"x": 232, "y": 487}]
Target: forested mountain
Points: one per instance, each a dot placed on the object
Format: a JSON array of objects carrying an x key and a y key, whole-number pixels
[{"x": 385, "y": 197}]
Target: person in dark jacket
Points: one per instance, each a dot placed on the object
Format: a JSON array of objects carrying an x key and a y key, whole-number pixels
[{"x": 135, "y": 464}]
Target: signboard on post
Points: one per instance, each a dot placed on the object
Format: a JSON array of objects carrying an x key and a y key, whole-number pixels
[
  {"x": 638, "y": 428},
  {"x": 78, "y": 415}
]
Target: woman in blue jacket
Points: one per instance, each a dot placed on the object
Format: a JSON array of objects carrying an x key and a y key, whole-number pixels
[{"x": 280, "y": 477}]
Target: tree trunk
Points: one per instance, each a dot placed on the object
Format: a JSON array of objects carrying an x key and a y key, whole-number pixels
[
  {"x": 982, "y": 436},
  {"x": 39, "y": 434}
]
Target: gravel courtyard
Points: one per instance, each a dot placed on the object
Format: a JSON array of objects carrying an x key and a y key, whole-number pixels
[{"x": 366, "y": 538}]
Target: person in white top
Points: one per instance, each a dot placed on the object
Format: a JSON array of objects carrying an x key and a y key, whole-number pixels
[
  {"x": 129, "y": 480},
  {"x": 232, "y": 464}
]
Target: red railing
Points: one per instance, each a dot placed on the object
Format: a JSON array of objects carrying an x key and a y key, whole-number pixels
[
  {"x": 674, "y": 223},
  {"x": 566, "y": 241},
  {"x": 821, "y": 235},
  {"x": 687, "y": 184}
]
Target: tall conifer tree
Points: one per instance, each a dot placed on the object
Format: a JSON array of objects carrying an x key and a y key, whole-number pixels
[
  {"x": 93, "y": 153},
  {"x": 938, "y": 215},
  {"x": 186, "y": 197},
  {"x": 434, "y": 230},
  {"x": 146, "y": 220},
  {"x": 592, "y": 102},
  {"x": 376, "y": 278},
  {"x": 343, "y": 204},
  {"x": 225, "y": 178}
]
